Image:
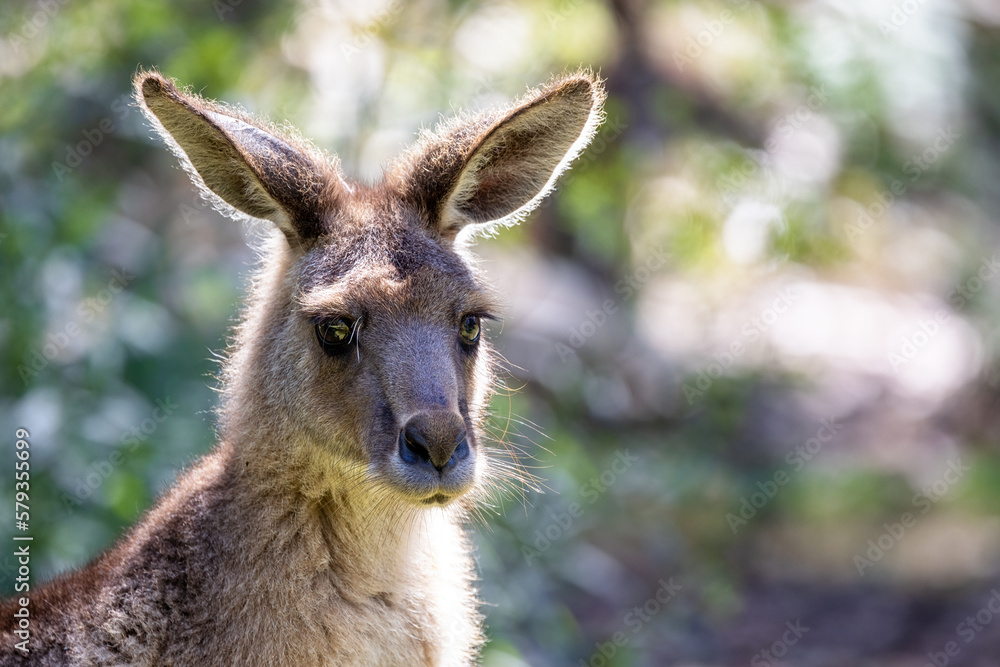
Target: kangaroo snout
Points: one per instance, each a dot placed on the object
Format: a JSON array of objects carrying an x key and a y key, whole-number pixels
[{"x": 434, "y": 440}]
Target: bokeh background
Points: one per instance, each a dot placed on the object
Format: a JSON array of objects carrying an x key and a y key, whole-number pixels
[{"x": 755, "y": 333}]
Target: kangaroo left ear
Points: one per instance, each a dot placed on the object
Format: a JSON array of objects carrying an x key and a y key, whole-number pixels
[
  {"x": 495, "y": 168},
  {"x": 251, "y": 169}
]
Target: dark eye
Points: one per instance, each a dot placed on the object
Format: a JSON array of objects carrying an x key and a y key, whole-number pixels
[
  {"x": 470, "y": 329},
  {"x": 334, "y": 335}
]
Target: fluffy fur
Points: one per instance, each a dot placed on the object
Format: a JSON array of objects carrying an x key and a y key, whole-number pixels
[{"x": 305, "y": 538}]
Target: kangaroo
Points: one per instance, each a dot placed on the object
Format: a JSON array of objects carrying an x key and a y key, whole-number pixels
[{"x": 328, "y": 525}]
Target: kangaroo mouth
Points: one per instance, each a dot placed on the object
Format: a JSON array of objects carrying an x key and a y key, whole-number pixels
[{"x": 437, "y": 499}]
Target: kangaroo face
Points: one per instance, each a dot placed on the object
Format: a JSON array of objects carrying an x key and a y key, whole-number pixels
[
  {"x": 370, "y": 342},
  {"x": 393, "y": 327}
]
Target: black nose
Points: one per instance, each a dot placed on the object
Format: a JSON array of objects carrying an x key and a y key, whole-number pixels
[{"x": 437, "y": 440}]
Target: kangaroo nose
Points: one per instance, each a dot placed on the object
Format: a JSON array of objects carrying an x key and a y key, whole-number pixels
[{"x": 434, "y": 439}]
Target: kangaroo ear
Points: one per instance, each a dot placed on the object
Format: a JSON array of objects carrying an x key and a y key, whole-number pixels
[
  {"x": 251, "y": 169},
  {"x": 497, "y": 167}
]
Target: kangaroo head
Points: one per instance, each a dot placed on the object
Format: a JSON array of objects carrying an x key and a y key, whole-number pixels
[{"x": 366, "y": 342}]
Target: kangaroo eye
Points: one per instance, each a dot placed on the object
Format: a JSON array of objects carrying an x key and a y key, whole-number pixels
[
  {"x": 334, "y": 335},
  {"x": 470, "y": 329}
]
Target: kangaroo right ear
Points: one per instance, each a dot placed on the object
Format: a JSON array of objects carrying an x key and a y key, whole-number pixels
[{"x": 251, "y": 169}]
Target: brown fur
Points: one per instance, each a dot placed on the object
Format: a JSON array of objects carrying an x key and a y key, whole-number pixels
[{"x": 317, "y": 532}]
